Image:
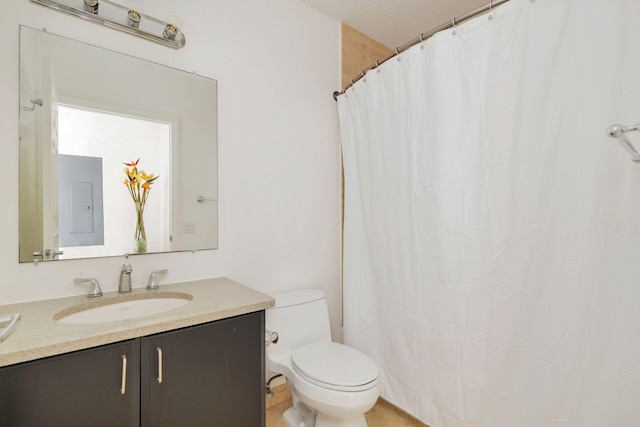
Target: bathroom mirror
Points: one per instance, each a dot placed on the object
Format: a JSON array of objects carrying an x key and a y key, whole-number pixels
[{"x": 85, "y": 113}]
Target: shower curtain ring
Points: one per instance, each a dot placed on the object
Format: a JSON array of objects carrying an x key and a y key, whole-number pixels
[{"x": 421, "y": 37}]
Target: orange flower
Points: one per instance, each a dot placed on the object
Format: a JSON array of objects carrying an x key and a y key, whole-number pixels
[
  {"x": 139, "y": 185},
  {"x": 137, "y": 180}
]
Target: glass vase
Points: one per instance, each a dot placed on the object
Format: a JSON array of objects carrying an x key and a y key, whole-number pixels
[
  {"x": 140, "y": 246},
  {"x": 140, "y": 237}
]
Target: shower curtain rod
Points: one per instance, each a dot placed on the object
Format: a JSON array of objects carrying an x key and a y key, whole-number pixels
[{"x": 398, "y": 50}]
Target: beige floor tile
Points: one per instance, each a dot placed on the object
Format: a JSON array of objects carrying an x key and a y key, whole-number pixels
[
  {"x": 280, "y": 394},
  {"x": 383, "y": 414},
  {"x": 274, "y": 414}
]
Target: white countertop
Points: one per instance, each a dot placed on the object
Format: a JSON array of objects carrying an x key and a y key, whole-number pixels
[{"x": 38, "y": 335}]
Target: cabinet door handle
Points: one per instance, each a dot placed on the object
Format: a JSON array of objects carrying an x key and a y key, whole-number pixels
[
  {"x": 159, "y": 351},
  {"x": 123, "y": 387}
]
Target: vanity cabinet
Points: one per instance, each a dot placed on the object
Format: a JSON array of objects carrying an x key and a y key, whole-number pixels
[
  {"x": 206, "y": 375},
  {"x": 83, "y": 388}
]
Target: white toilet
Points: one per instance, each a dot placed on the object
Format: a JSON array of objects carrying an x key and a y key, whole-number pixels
[{"x": 332, "y": 385}]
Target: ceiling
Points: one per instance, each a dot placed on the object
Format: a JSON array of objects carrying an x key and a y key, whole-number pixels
[{"x": 394, "y": 22}]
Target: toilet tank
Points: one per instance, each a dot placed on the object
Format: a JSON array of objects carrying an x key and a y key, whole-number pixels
[{"x": 299, "y": 317}]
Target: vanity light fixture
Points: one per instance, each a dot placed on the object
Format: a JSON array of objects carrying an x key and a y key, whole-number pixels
[
  {"x": 133, "y": 19},
  {"x": 113, "y": 15},
  {"x": 91, "y": 6},
  {"x": 170, "y": 32}
]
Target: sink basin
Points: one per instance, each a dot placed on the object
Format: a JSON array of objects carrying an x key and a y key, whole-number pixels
[{"x": 122, "y": 307}]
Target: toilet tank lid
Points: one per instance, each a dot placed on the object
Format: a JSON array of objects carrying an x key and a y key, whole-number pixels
[{"x": 301, "y": 296}]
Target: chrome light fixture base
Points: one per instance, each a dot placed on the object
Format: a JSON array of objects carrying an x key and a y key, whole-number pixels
[{"x": 113, "y": 15}]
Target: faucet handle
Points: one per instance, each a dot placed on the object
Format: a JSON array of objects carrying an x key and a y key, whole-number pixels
[
  {"x": 152, "y": 284},
  {"x": 96, "y": 291},
  {"x": 126, "y": 268}
]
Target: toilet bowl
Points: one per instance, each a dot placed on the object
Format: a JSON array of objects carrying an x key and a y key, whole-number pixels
[{"x": 331, "y": 384}]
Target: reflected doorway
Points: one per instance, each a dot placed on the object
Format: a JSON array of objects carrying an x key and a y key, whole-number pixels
[{"x": 117, "y": 139}]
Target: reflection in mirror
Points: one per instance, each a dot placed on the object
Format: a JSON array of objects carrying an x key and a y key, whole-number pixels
[{"x": 86, "y": 113}]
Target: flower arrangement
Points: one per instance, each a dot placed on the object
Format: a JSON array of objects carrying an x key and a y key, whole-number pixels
[{"x": 139, "y": 185}]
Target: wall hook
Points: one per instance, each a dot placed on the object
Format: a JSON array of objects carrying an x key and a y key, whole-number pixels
[
  {"x": 619, "y": 132},
  {"x": 34, "y": 102}
]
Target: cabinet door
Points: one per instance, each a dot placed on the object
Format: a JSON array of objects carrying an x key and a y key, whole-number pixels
[
  {"x": 207, "y": 375},
  {"x": 75, "y": 389}
]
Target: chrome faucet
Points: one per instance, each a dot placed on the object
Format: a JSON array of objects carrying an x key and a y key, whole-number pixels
[
  {"x": 152, "y": 284},
  {"x": 95, "y": 292},
  {"x": 125, "y": 279}
]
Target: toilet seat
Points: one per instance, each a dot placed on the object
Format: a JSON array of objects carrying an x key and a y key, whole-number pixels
[{"x": 335, "y": 366}]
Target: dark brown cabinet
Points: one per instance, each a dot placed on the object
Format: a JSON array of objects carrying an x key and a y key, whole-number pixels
[
  {"x": 205, "y": 375},
  {"x": 84, "y": 388}
]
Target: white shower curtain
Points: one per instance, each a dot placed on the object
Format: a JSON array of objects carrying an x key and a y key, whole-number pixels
[{"x": 492, "y": 227}]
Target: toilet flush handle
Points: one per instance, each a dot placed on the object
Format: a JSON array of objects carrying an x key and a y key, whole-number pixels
[{"x": 270, "y": 337}]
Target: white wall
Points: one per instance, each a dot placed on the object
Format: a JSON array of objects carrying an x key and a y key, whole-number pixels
[{"x": 277, "y": 63}]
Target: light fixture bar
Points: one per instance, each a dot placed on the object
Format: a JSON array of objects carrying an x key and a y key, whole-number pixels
[{"x": 113, "y": 15}]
